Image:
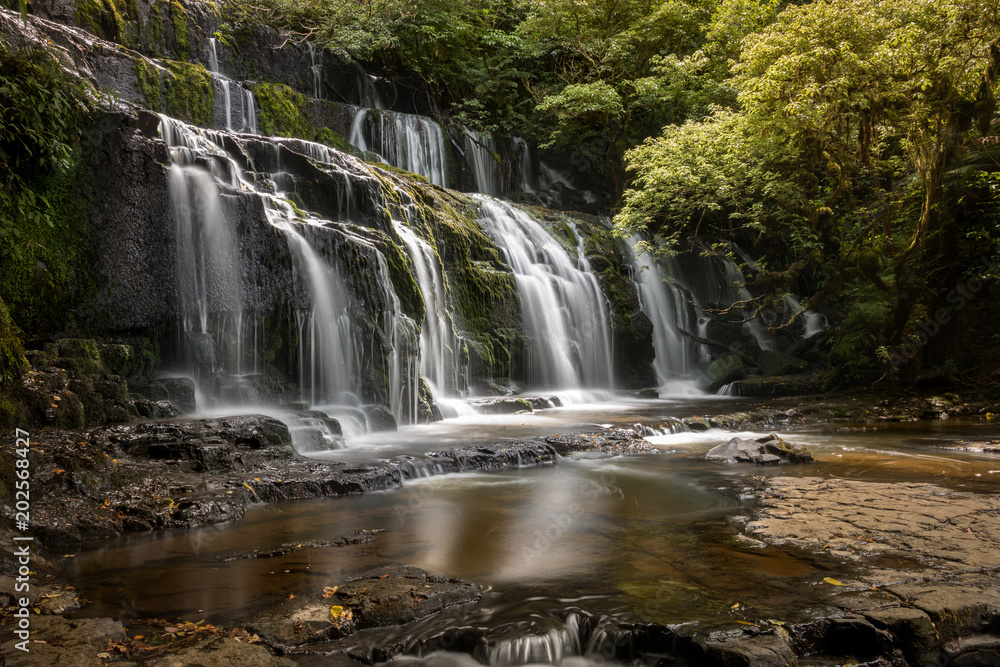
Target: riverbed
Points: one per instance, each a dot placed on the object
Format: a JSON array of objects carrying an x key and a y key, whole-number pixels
[{"x": 646, "y": 538}]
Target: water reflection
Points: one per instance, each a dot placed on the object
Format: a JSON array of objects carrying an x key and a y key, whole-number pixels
[{"x": 645, "y": 537}]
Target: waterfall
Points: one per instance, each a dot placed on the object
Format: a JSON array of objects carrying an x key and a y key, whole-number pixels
[
  {"x": 316, "y": 68},
  {"x": 526, "y": 179},
  {"x": 439, "y": 344},
  {"x": 665, "y": 302},
  {"x": 738, "y": 293},
  {"x": 813, "y": 322},
  {"x": 368, "y": 94},
  {"x": 565, "y": 317},
  {"x": 244, "y": 97},
  {"x": 410, "y": 142},
  {"x": 480, "y": 153},
  {"x": 207, "y": 257},
  {"x": 328, "y": 357}
]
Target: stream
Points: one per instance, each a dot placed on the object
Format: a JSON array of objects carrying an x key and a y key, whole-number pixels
[{"x": 646, "y": 538}]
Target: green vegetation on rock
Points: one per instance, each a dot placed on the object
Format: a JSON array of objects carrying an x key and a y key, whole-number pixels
[
  {"x": 189, "y": 93},
  {"x": 282, "y": 111}
]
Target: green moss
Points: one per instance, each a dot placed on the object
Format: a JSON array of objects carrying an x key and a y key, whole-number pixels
[
  {"x": 102, "y": 17},
  {"x": 148, "y": 82},
  {"x": 409, "y": 175},
  {"x": 282, "y": 111},
  {"x": 190, "y": 95},
  {"x": 179, "y": 19},
  {"x": 152, "y": 35},
  {"x": 335, "y": 140},
  {"x": 401, "y": 273}
]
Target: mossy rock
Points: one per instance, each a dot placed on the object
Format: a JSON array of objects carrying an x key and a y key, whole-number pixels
[
  {"x": 189, "y": 93},
  {"x": 79, "y": 348},
  {"x": 725, "y": 371},
  {"x": 283, "y": 112}
]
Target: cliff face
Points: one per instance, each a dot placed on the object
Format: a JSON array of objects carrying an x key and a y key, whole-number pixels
[{"x": 211, "y": 249}]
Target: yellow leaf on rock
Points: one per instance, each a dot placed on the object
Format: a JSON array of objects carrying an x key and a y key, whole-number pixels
[{"x": 832, "y": 581}]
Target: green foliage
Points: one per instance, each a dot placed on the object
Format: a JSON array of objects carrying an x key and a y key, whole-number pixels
[
  {"x": 12, "y": 361},
  {"x": 40, "y": 113},
  {"x": 189, "y": 93},
  {"x": 713, "y": 177},
  {"x": 855, "y": 358}
]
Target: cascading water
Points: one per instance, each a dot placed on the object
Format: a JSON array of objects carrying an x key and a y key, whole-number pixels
[
  {"x": 480, "y": 153},
  {"x": 332, "y": 352},
  {"x": 328, "y": 358},
  {"x": 212, "y": 320},
  {"x": 413, "y": 143},
  {"x": 439, "y": 344},
  {"x": 527, "y": 180},
  {"x": 316, "y": 69},
  {"x": 228, "y": 89},
  {"x": 666, "y": 304},
  {"x": 564, "y": 311}
]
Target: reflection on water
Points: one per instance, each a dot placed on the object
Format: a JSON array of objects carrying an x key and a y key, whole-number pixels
[{"x": 644, "y": 537}]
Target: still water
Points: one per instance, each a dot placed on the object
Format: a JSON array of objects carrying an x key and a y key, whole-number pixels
[{"x": 640, "y": 538}]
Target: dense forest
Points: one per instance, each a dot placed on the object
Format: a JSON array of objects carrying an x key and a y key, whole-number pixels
[{"x": 852, "y": 145}]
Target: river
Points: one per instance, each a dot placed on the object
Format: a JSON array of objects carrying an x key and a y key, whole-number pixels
[{"x": 648, "y": 538}]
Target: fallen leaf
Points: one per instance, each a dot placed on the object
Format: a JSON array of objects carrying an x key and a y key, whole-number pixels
[
  {"x": 832, "y": 581},
  {"x": 291, "y": 596},
  {"x": 104, "y": 655},
  {"x": 58, "y": 470}
]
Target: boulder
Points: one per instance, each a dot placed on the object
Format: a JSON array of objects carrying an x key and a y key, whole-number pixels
[
  {"x": 769, "y": 450},
  {"x": 724, "y": 371},
  {"x": 501, "y": 406}
]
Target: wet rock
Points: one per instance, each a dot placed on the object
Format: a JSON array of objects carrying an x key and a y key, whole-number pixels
[
  {"x": 913, "y": 631},
  {"x": 697, "y": 424},
  {"x": 856, "y": 637},
  {"x": 544, "y": 402},
  {"x": 380, "y": 419},
  {"x": 395, "y": 594},
  {"x": 67, "y": 643},
  {"x": 980, "y": 651},
  {"x": 354, "y": 537},
  {"x": 511, "y": 454},
  {"x": 221, "y": 651},
  {"x": 766, "y": 650},
  {"x": 769, "y": 450},
  {"x": 611, "y": 442},
  {"x": 958, "y": 608},
  {"x": 778, "y": 385},
  {"x": 724, "y": 371},
  {"x": 946, "y": 530},
  {"x": 155, "y": 409},
  {"x": 502, "y": 406},
  {"x": 231, "y": 443},
  {"x": 387, "y": 595},
  {"x": 299, "y": 620}
]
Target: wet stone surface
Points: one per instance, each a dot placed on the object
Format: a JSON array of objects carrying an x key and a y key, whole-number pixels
[
  {"x": 943, "y": 529},
  {"x": 768, "y": 450}
]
